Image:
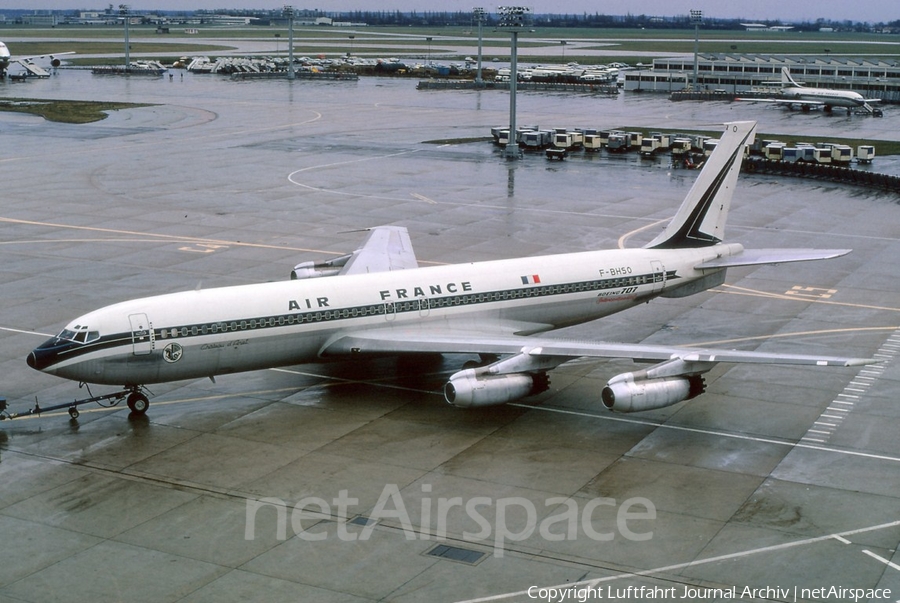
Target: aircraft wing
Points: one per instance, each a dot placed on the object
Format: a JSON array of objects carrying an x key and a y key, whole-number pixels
[
  {"x": 783, "y": 101},
  {"x": 450, "y": 341},
  {"x": 386, "y": 248},
  {"x": 52, "y": 55},
  {"x": 754, "y": 257}
]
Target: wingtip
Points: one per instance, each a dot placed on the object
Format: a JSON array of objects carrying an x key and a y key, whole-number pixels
[{"x": 864, "y": 361}]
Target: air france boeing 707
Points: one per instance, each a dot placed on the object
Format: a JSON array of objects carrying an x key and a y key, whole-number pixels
[
  {"x": 792, "y": 93},
  {"x": 377, "y": 300}
]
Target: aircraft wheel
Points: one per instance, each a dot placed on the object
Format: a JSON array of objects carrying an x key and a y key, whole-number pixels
[
  {"x": 138, "y": 403},
  {"x": 73, "y": 412}
]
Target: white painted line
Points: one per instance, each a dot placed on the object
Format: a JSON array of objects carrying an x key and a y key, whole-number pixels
[
  {"x": 680, "y": 566},
  {"x": 721, "y": 434},
  {"x": 826, "y": 424},
  {"x": 836, "y": 417},
  {"x": 837, "y": 409},
  {"x": 841, "y": 538},
  {"x": 819, "y": 431},
  {"x": 811, "y": 439},
  {"x": 882, "y": 559}
]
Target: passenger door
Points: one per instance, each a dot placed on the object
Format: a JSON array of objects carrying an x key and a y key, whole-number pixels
[{"x": 141, "y": 334}]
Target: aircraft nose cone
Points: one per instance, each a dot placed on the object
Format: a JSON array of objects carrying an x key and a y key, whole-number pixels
[{"x": 42, "y": 357}]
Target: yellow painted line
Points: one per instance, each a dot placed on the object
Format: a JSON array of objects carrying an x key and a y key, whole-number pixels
[
  {"x": 149, "y": 237},
  {"x": 788, "y": 335},
  {"x": 423, "y": 198},
  {"x": 735, "y": 290},
  {"x": 628, "y": 235},
  {"x": 161, "y": 237},
  {"x": 99, "y": 408}
]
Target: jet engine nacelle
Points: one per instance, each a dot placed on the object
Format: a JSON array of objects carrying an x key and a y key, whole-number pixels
[
  {"x": 320, "y": 269},
  {"x": 650, "y": 394},
  {"x": 468, "y": 390},
  {"x": 313, "y": 270}
]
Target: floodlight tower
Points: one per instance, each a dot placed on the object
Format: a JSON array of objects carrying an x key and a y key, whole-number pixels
[
  {"x": 288, "y": 13},
  {"x": 696, "y": 19},
  {"x": 514, "y": 18},
  {"x": 478, "y": 17},
  {"x": 123, "y": 10}
]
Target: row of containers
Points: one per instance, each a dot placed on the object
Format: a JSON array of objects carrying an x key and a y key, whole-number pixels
[{"x": 558, "y": 142}]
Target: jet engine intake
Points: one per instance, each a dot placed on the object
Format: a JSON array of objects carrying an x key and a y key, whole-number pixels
[
  {"x": 466, "y": 389},
  {"x": 650, "y": 394}
]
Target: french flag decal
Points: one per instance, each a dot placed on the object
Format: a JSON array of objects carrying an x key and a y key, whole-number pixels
[{"x": 532, "y": 279}]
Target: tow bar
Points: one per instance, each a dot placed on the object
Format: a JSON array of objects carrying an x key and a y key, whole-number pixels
[{"x": 136, "y": 399}]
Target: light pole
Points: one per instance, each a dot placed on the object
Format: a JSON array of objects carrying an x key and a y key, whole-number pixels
[
  {"x": 123, "y": 10},
  {"x": 351, "y": 44},
  {"x": 428, "y": 56},
  {"x": 696, "y": 19},
  {"x": 478, "y": 16},
  {"x": 514, "y": 18},
  {"x": 288, "y": 13}
]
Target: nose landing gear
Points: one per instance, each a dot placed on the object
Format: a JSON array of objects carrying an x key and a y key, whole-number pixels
[{"x": 138, "y": 402}]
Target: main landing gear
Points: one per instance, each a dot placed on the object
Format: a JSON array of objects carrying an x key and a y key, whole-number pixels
[{"x": 134, "y": 397}]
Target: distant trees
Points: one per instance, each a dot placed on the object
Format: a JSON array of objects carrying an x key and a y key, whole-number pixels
[{"x": 464, "y": 18}]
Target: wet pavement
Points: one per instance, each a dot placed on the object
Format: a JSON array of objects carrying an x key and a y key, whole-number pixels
[{"x": 241, "y": 489}]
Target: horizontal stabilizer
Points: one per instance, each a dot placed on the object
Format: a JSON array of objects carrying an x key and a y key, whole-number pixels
[{"x": 755, "y": 257}]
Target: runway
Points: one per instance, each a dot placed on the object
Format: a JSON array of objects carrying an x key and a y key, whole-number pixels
[{"x": 354, "y": 481}]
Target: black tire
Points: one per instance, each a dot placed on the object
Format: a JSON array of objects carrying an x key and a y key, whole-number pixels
[{"x": 138, "y": 403}]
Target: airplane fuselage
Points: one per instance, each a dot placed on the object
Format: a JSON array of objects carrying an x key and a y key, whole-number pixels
[
  {"x": 4, "y": 58},
  {"x": 232, "y": 329},
  {"x": 829, "y": 98}
]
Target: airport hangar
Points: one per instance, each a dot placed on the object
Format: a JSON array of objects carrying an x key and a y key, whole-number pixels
[
  {"x": 226, "y": 183},
  {"x": 873, "y": 78}
]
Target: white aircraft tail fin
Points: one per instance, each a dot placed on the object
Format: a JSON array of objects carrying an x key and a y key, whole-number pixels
[
  {"x": 786, "y": 80},
  {"x": 700, "y": 221}
]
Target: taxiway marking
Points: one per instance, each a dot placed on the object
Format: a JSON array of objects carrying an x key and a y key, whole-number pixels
[
  {"x": 887, "y": 562},
  {"x": 690, "y": 564},
  {"x": 736, "y": 290}
]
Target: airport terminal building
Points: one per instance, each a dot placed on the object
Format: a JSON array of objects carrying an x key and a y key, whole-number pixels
[{"x": 740, "y": 73}]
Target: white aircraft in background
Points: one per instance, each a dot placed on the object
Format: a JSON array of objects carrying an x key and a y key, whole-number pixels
[
  {"x": 792, "y": 93},
  {"x": 26, "y": 62},
  {"x": 377, "y": 301}
]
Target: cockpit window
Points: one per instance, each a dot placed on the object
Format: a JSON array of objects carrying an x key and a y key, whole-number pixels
[{"x": 79, "y": 334}]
